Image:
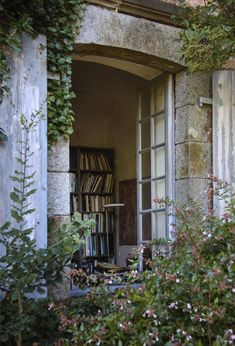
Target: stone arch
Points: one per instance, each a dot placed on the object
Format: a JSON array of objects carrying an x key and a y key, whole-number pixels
[{"x": 115, "y": 35}]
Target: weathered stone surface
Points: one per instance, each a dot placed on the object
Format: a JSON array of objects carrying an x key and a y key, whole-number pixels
[
  {"x": 224, "y": 130},
  {"x": 193, "y": 123},
  {"x": 58, "y": 156},
  {"x": 58, "y": 194},
  {"x": 62, "y": 290},
  {"x": 188, "y": 88},
  {"x": 54, "y": 223},
  {"x": 28, "y": 91},
  {"x": 193, "y": 160},
  {"x": 130, "y": 33},
  {"x": 195, "y": 189}
]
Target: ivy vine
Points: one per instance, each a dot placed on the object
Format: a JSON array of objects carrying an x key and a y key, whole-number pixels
[
  {"x": 60, "y": 21},
  {"x": 208, "y": 40}
]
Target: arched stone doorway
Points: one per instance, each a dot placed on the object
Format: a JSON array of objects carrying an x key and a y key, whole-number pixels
[{"x": 144, "y": 48}]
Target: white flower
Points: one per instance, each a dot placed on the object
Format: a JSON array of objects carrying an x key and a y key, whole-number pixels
[{"x": 189, "y": 306}]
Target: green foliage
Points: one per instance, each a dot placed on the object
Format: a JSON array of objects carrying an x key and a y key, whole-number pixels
[
  {"x": 26, "y": 272},
  {"x": 71, "y": 236},
  {"x": 186, "y": 299},
  {"x": 208, "y": 40},
  {"x": 59, "y": 20}
]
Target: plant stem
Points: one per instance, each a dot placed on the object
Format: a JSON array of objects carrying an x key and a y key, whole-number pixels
[{"x": 20, "y": 310}]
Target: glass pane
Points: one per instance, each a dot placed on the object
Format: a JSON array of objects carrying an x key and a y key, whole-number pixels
[
  {"x": 159, "y": 189},
  {"x": 160, "y": 223},
  {"x": 146, "y": 165},
  {"x": 159, "y": 98},
  {"x": 145, "y": 134},
  {"x": 146, "y": 226},
  {"x": 159, "y": 129},
  {"x": 159, "y": 159},
  {"x": 146, "y": 196},
  {"x": 145, "y": 103}
]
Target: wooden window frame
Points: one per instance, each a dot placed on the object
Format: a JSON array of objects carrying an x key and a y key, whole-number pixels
[{"x": 168, "y": 144}]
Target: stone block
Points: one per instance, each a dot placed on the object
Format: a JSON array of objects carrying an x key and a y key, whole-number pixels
[
  {"x": 58, "y": 194},
  {"x": 58, "y": 156},
  {"x": 193, "y": 123},
  {"x": 188, "y": 88},
  {"x": 191, "y": 188},
  {"x": 193, "y": 160}
]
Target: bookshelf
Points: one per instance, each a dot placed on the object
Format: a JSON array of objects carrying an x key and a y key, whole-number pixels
[{"x": 92, "y": 187}]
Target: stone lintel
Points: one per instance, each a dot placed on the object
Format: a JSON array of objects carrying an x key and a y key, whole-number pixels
[{"x": 102, "y": 27}]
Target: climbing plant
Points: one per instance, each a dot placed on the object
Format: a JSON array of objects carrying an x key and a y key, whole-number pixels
[
  {"x": 208, "y": 40},
  {"x": 60, "y": 21}
]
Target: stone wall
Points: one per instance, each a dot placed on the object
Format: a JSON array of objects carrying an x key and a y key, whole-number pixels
[
  {"x": 58, "y": 184},
  {"x": 28, "y": 92},
  {"x": 59, "y": 202},
  {"x": 192, "y": 136}
]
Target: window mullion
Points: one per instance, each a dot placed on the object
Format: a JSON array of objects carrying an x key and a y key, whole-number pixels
[
  {"x": 152, "y": 109},
  {"x": 139, "y": 170}
]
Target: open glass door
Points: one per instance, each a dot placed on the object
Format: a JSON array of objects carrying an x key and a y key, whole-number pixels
[{"x": 154, "y": 157}]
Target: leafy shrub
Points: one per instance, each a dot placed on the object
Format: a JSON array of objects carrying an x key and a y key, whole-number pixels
[
  {"x": 26, "y": 272},
  {"x": 186, "y": 299},
  {"x": 208, "y": 40}
]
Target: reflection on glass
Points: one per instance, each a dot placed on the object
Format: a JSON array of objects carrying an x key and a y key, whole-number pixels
[
  {"x": 146, "y": 226},
  {"x": 159, "y": 98},
  {"x": 146, "y": 165},
  {"x": 159, "y": 159},
  {"x": 160, "y": 223},
  {"x": 145, "y": 103},
  {"x": 146, "y": 196},
  {"x": 145, "y": 134},
  {"x": 159, "y": 129}
]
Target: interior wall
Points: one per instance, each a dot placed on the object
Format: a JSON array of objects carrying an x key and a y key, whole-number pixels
[{"x": 105, "y": 117}]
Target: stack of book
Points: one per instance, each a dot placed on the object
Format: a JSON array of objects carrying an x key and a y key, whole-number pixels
[
  {"x": 74, "y": 204},
  {"x": 96, "y": 245},
  {"x": 95, "y": 202},
  {"x": 101, "y": 219},
  {"x": 97, "y": 183},
  {"x": 94, "y": 162}
]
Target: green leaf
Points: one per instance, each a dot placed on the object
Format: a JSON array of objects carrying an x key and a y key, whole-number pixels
[
  {"x": 31, "y": 192},
  {"x": 15, "y": 197},
  {"x": 16, "y": 216}
]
